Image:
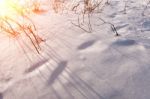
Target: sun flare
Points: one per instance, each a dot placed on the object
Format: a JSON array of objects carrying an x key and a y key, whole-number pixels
[
  {"x": 15, "y": 21},
  {"x": 4, "y": 7},
  {"x": 9, "y": 7}
]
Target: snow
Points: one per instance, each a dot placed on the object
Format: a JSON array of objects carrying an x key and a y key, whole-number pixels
[{"x": 73, "y": 64}]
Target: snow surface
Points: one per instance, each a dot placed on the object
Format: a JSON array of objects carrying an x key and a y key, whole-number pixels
[{"x": 74, "y": 64}]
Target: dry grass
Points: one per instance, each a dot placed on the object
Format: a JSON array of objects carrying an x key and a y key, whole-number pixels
[
  {"x": 20, "y": 24},
  {"x": 84, "y": 9}
]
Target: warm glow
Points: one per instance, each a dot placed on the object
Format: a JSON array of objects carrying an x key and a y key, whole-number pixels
[
  {"x": 9, "y": 7},
  {"x": 4, "y": 8}
]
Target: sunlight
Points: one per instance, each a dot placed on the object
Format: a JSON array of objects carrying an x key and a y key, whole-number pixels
[
  {"x": 15, "y": 21},
  {"x": 9, "y": 7},
  {"x": 4, "y": 7}
]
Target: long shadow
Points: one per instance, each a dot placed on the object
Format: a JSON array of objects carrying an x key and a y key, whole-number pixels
[
  {"x": 74, "y": 85},
  {"x": 76, "y": 81},
  {"x": 58, "y": 70},
  {"x": 64, "y": 42},
  {"x": 86, "y": 44},
  {"x": 79, "y": 83},
  {"x": 54, "y": 76},
  {"x": 65, "y": 87},
  {"x": 36, "y": 65},
  {"x": 53, "y": 56},
  {"x": 82, "y": 84},
  {"x": 125, "y": 42},
  {"x": 23, "y": 49},
  {"x": 1, "y": 96}
]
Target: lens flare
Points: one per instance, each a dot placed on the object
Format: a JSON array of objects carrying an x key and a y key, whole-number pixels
[
  {"x": 9, "y": 7},
  {"x": 4, "y": 8}
]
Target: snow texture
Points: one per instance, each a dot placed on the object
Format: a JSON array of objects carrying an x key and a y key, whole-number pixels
[{"x": 74, "y": 64}]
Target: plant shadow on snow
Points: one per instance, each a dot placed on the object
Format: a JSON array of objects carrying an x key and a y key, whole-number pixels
[
  {"x": 74, "y": 81},
  {"x": 83, "y": 86},
  {"x": 58, "y": 70},
  {"x": 36, "y": 65},
  {"x": 1, "y": 96},
  {"x": 119, "y": 47},
  {"x": 115, "y": 56}
]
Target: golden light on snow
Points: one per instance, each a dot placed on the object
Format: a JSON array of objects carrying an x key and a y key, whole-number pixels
[
  {"x": 9, "y": 7},
  {"x": 15, "y": 20},
  {"x": 4, "y": 7}
]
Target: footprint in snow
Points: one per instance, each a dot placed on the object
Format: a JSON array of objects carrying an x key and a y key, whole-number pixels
[
  {"x": 86, "y": 44},
  {"x": 57, "y": 72},
  {"x": 124, "y": 42}
]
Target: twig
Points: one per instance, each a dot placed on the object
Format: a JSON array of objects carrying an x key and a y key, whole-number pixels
[{"x": 112, "y": 26}]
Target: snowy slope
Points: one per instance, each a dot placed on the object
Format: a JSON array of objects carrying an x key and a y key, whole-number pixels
[{"x": 74, "y": 64}]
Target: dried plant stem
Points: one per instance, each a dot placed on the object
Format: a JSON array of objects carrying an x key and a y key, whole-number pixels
[
  {"x": 112, "y": 26},
  {"x": 79, "y": 25},
  {"x": 26, "y": 30}
]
